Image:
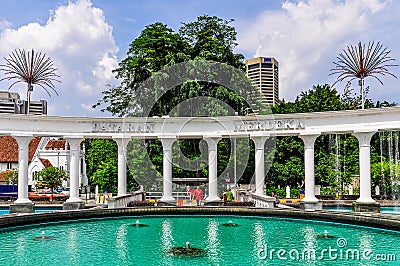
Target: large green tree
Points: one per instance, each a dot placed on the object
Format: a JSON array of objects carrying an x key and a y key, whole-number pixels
[
  {"x": 158, "y": 47},
  {"x": 212, "y": 38}
]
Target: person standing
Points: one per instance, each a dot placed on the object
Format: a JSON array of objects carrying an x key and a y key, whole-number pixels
[
  {"x": 229, "y": 195},
  {"x": 198, "y": 193},
  {"x": 191, "y": 193}
]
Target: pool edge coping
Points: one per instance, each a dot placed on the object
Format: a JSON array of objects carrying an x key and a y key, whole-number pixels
[{"x": 376, "y": 220}]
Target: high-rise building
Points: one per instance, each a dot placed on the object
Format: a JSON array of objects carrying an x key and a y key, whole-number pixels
[
  {"x": 10, "y": 103},
  {"x": 263, "y": 71}
]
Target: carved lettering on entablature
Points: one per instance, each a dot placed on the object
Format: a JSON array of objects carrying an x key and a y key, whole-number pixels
[
  {"x": 269, "y": 125},
  {"x": 123, "y": 127}
]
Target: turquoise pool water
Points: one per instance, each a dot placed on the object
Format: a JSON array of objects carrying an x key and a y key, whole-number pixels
[
  {"x": 256, "y": 241},
  {"x": 393, "y": 210},
  {"x": 5, "y": 210}
]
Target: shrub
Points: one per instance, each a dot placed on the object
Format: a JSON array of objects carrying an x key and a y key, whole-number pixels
[{"x": 281, "y": 192}]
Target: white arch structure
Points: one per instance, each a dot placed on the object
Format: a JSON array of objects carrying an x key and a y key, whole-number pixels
[{"x": 308, "y": 126}]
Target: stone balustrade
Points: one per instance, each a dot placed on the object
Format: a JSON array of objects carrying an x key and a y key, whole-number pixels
[{"x": 123, "y": 200}]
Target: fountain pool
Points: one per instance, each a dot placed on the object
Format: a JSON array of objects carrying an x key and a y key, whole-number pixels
[
  {"x": 37, "y": 209},
  {"x": 254, "y": 241},
  {"x": 393, "y": 210}
]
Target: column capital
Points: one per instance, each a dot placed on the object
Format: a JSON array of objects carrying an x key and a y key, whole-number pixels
[
  {"x": 259, "y": 140},
  {"x": 309, "y": 140},
  {"x": 167, "y": 142},
  {"x": 23, "y": 140},
  {"x": 74, "y": 142},
  {"x": 364, "y": 138},
  {"x": 122, "y": 142},
  {"x": 212, "y": 141}
]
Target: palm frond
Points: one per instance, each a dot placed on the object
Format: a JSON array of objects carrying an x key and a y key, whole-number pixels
[
  {"x": 361, "y": 61},
  {"x": 31, "y": 68}
]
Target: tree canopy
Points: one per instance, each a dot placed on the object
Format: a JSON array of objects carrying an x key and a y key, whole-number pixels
[
  {"x": 51, "y": 176},
  {"x": 157, "y": 47}
]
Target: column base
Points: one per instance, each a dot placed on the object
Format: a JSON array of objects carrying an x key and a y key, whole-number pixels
[
  {"x": 22, "y": 207},
  {"x": 162, "y": 202},
  {"x": 218, "y": 202},
  {"x": 365, "y": 200},
  {"x": 73, "y": 205},
  {"x": 366, "y": 207},
  {"x": 311, "y": 206}
]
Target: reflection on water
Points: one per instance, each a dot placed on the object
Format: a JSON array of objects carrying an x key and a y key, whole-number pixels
[
  {"x": 310, "y": 245},
  {"x": 20, "y": 248},
  {"x": 121, "y": 243},
  {"x": 73, "y": 245},
  {"x": 167, "y": 239},
  {"x": 213, "y": 247},
  {"x": 259, "y": 236},
  {"x": 260, "y": 245}
]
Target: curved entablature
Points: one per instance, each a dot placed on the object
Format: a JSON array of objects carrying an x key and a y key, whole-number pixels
[{"x": 348, "y": 121}]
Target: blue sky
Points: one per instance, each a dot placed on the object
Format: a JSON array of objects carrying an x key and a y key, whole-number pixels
[{"x": 86, "y": 39}]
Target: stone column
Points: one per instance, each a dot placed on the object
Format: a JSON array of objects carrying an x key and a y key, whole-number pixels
[
  {"x": 167, "y": 169},
  {"x": 23, "y": 150},
  {"x": 364, "y": 139},
  {"x": 212, "y": 143},
  {"x": 74, "y": 151},
  {"x": 259, "y": 142},
  {"x": 309, "y": 201},
  {"x": 122, "y": 144}
]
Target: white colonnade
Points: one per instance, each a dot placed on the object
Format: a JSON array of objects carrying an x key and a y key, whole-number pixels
[{"x": 361, "y": 123}]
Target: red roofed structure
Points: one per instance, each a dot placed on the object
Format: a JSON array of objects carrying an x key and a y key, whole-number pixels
[
  {"x": 43, "y": 152},
  {"x": 9, "y": 152}
]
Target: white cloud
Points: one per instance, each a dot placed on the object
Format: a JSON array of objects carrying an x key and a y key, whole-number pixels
[
  {"x": 306, "y": 36},
  {"x": 131, "y": 20},
  {"x": 80, "y": 42},
  {"x": 4, "y": 24}
]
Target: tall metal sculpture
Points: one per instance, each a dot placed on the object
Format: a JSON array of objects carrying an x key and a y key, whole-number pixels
[
  {"x": 31, "y": 68},
  {"x": 361, "y": 61}
]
